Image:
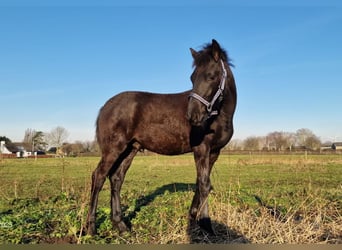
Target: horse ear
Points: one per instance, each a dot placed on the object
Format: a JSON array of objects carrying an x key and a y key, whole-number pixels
[
  {"x": 194, "y": 53},
  {"x": 216, "y": 50}
]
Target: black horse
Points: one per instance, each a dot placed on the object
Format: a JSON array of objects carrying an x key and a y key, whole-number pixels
[{"x": 199, "y": 120}]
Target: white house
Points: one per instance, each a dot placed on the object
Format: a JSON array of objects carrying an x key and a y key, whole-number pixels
[{"x": 3, "y": 149}]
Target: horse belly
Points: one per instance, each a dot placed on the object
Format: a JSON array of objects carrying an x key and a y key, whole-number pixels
[
  {"x": 167, "y": 145},
  {"x": 168, "y": 138}
]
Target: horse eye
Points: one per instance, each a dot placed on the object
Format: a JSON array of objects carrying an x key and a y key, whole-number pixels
[{"x": 211, "y": 77}]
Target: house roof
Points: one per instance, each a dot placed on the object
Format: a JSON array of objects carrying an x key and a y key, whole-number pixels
[{"x": 18, "y": 146}]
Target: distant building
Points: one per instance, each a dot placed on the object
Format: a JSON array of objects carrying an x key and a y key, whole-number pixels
[
  {"x": 326, "y": 147},
  {"x": 337, "y": 146},
  {"x": 299, "y": 148},
  {"x": 18, "y": 148},
  {"x": 3, "y": 148}
]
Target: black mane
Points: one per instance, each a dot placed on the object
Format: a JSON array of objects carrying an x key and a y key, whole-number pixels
[{"x": 205, "y": 55}]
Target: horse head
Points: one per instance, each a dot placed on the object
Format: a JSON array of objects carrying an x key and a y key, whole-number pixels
[{"x": 209, "y": 80}]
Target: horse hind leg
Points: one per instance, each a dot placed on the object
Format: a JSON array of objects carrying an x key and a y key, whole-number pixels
[
  {"x": 98, "y": 179},
  {"x": 99, "y": 175},
  {"x": 116, "y": 180}
]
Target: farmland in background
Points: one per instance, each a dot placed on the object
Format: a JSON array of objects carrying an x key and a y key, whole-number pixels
[{"x": 256, "y": 199}]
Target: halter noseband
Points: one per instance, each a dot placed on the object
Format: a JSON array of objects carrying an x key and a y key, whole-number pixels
[{"x": 218, "y": 94}]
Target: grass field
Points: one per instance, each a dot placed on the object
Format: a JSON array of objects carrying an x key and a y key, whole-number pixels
[{"x": 256, "y": 199}]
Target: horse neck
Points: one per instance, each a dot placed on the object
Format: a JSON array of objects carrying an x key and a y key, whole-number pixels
[{"x": 229, "y": 96}]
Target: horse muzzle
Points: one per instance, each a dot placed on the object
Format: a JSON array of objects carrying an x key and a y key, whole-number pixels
[{"x": 196, "y": 114}]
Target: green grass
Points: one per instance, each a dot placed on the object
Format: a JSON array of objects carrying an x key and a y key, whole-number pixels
[{"x": 46, "y": 200}]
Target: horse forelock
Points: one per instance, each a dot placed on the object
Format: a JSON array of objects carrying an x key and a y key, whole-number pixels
[{"x": 205, "y": 55}]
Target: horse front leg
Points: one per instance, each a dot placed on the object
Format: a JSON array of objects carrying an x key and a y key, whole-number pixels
[
  {"x": 194, "y": 205},
  {"x": 199, "y": 210}
]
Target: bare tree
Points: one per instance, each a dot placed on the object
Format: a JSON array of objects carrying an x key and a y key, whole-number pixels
[
  {"x": 277, "y": 140},
  {"x": 72, "y": 149},
  {"x": 302, "y": 134},
  {"x": 235, "y": 144},
  {"x": 87, "y": 146},
  {"x": 290, "y": 140},
  {"x": 313, "y": 142},
  {"x": 28, "y": 137},
  {"x": 57, "y": 136},
  {"x": 305, "y": 137},
  {"x": 90, "y": 146},
  {"x": 253, "y": 143}
]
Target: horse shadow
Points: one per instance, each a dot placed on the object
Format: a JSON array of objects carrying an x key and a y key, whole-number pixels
[{"x": 222, "y": 233}]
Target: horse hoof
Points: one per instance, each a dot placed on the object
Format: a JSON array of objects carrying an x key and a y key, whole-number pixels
[
  {"x": 205, "y": 224},
  {"x": 122, "y": 227},
  {"x": 91, "y": 230},
  {"x": 90, "y": 227}
]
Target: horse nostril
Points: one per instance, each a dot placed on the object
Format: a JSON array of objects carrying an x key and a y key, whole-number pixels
[
  {"x": 190, "y": 116},
  {"x": 194, "y": 119}
]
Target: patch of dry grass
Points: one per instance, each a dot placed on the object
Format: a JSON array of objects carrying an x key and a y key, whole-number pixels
[{"x": 319, "y": 224}]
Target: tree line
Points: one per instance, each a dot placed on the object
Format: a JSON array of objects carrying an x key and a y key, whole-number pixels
[
  {"x": 56, "y": 140},
  {"x": 302, "y": 139}
]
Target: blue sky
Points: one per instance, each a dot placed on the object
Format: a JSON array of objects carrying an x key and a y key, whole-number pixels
[{"x": 60, "y": 61}]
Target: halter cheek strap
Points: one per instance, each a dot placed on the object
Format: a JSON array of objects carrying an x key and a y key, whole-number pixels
[{"x": 219, "y": 93}]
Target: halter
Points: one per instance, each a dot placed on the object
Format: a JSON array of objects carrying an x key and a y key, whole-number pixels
[{"x": 218, "y": 94}]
